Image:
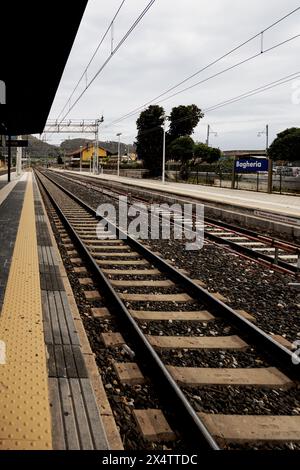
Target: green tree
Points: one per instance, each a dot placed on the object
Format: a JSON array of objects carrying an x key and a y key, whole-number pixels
[
  {"x": 224, "y": 166},
  {"x": 207, "y": 154},
  {"x": 182, "y": 149},
  {"x": 59, "y": 160},
  {"x": 286, "y": 146},
  {"x": 183, "y": 120},
  {"x": 149, "y": 141}
]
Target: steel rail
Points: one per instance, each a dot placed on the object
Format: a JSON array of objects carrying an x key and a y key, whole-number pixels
[
  {"x": 197, "y": 434},
  {"x": 249, "y": 252},
  {"x": 278, "y": 353}
]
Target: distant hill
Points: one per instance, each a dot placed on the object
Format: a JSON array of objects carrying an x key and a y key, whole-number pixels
[
  {"x": 74, "y": 144},
  {"x": 38, "y": 148}
]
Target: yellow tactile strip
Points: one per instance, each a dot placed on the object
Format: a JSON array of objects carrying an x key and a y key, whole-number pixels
[{"x": 25, "y": 421}]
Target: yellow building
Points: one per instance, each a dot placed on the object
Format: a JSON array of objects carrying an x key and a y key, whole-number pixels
[{"x": 86, "y": 155}]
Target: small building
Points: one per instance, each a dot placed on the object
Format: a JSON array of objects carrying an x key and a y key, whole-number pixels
[
  {"x": 86, "y": 155},
  {"x": 244, "y": 153}
]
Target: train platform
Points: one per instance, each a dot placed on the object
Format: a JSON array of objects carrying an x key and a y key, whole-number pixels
[
  {"x": 287, "y": 205},
  {"x": 50, "y": 389},
  {"x": 3, "y": 181}
]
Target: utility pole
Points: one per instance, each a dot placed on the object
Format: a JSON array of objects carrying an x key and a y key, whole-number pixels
[
  {"x": 80, "y": 163},
  {"x": 208, "y": 132},
  {"x": 270, "y": 161},
  {"x": 164, "y": 152},
  {"x": 270, "y": 167},
  {"x": 119, "y": 152},
  {"x": 96, "y": 152}
]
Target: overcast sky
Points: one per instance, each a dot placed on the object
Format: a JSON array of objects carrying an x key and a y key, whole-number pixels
[{"x": 175, "y": 39}]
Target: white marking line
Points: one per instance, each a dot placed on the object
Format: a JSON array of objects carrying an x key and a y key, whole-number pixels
[{"x": 2, "y": 353}]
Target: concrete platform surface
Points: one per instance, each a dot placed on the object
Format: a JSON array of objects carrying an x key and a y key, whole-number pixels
[
  {"x": 47, "y": 397},
  {"x": 287, "y": 205}
]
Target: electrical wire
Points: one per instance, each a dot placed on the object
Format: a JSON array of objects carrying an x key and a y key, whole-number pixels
[
  {"x": 255, "y": 91},
  {"x": 136, "y": 110},
  {"x": 113, "y": 52},
  {"x": 92, "y": 58}
]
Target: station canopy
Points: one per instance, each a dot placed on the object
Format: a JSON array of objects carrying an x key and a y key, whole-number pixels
[{"x": 35, "y": 42}]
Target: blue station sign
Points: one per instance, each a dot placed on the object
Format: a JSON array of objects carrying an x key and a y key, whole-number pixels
[{"x": 251, "y": 165}]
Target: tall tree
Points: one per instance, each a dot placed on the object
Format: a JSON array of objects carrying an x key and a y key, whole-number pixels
[
  {"x": 149, "y": 141},
  {"x": 207, "y": 154},
  {"x": 286, "y": 146},
  {"x": 182, "y": 149},
  {"x": 183, "y": 120}
]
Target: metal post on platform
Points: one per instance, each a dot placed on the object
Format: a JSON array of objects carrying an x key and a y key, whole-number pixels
[
  {"x": 96, "y": 151},
  {"x": 19, "y": 159},
  {"x": 270, "y": 166},
  {"x": 270, "y": 169},
  {"x": 233, "y": 174},
  {"x": 163, "y": 175},
  {"x": 8, "y": 158}
]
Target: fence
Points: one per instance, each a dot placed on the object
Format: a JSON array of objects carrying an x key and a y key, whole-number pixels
[{"x": 251, "y": 182}]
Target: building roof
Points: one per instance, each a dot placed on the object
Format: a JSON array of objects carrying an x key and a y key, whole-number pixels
[
  {"x": 35, "y": 46},
  {"x": 240, "y": 153}
]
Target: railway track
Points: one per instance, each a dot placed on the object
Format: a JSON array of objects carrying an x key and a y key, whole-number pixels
[
  {"x": 185, "y": 339},
  {"x": 264, "y": 249}
]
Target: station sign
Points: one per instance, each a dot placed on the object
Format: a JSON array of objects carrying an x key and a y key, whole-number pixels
[
  {"x": 18, "y": 143},
  {"x": 15, "y": 143},
  {"x": 251, "y": 165}
]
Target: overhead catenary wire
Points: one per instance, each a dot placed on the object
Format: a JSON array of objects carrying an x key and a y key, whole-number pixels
[
  {"x": 255, "y": 91},
  {"x": 217, "y": 74},
  {"x": 214, "y": 62},
  {"x": 113, "y": 52},
  {"x": 92, "y": 58}
]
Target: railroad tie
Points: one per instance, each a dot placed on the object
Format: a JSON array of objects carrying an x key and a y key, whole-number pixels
[
  {"x": 197, "y": 342},
  {"x": 249, "y": 428},
  {"x": 145, "y": 315},
  {"x": 269, "y": 377}
]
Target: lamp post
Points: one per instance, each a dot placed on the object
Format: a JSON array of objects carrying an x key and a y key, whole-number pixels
[
  {"x": 270, "y": 167},
  {"x": 80, "y": 163},
  {"x": 163, "y": 175},
  {"x": 119, "y": 151},
  {"x": 96, "y": 148},
  {"x": 209, "y": 131}
]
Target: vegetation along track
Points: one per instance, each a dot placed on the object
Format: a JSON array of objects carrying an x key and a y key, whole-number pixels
[
  {"x": 262, "y": 248},
  {"x": 224, "y": 381}
]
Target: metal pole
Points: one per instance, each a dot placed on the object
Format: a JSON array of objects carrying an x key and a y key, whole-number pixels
[
  {"x": 280, "y": 184},
  {"x": 208, "y": 132},
  {"x": 164, "y": 153},
  {"x": 96, "y": 154},
  {"x": 119, "y": 152},
  {"x": 19, "y": 159},
  {"x": 8, "y": 159},
  {"x": 233, "y": 174},
  {"x": 270, "y": 169}
]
